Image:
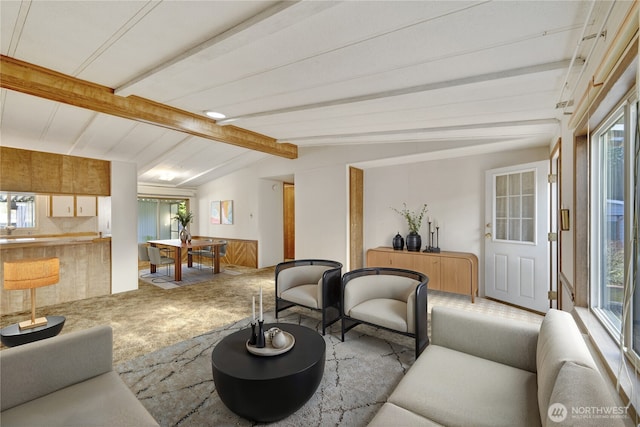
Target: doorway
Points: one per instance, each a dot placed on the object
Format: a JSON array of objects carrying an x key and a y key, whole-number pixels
[
  {"x": 289, "y": 213},
  {"x": 517, "y": 222}
]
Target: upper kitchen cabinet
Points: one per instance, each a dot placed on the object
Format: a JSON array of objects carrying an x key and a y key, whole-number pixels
[
  {"x": 15, "y": 170},
  {"x": 61, "y": 206},
  {"x": 68, "y": 206},
  {"x": 38, "y": 172},
  {"x": 91, "y": 176},
  {"x": 86, "y": 206}
]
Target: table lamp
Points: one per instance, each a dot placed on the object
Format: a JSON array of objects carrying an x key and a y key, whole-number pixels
[{"x": 31, "y": 274}]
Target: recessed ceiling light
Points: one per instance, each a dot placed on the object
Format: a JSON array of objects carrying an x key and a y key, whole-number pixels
[
  {"x": 166, "y": 176},
  {"x": 215, "y": 115}
]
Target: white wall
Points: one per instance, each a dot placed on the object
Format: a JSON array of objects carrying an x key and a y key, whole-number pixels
[
  {"x": 321, "y": 213},
  {"x": 452, "y": 187},
  {"x": 454, "y": 191},
  {"x": 270, "y": 220},
  {"x": 241, "y": 187},
  {"x": 257, "y": 211},
  {"x": 124, "y": 223}
]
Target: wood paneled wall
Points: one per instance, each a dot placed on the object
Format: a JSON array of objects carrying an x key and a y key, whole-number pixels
[
  {"x": 356, "y": 209},
  {"x": 239, "y": 252},
  {"x": 289, "y": 221}
]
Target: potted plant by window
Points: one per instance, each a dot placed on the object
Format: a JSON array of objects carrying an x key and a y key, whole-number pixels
[
  {"x": 414, "y": 221},
  {"x": 184, "y": 217}
]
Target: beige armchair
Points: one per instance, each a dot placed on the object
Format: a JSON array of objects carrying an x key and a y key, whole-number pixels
[
  {"x": 390, "y": 298},
  {"x": 311, "y": 283}
]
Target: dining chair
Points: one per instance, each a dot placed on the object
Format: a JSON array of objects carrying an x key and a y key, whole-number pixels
[
  {"x": 157, "y": 259},
  {"x": 211, "y": 254}
]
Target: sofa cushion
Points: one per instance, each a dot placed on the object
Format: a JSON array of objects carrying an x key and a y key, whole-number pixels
[
  {"x": 559, "y": 341},
  {"x": 507, "y": 341},
  {"x": 389, "y": 313},
  {"x": 303, "y": 294},
  {"x": 454, "y": 388},
  {"x": 76, "y": 357},
  {"x": 104, "y": 400},
  {"x": 585, "y": 399},
  {"x": 393, "y": 415}
]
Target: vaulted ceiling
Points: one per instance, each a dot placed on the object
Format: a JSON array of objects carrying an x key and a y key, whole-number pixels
[{"x": 291, "y": 75}]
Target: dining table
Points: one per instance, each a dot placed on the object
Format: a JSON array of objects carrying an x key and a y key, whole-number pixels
[{"x": 179, "y": 246}]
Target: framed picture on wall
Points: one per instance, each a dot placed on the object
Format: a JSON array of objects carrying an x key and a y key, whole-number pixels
[
  {"x": 215, "y": 212},
  {"x": 226, "y": 212}
]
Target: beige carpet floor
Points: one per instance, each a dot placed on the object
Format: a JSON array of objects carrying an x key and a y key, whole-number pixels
[{"x": 150, "y": 318}]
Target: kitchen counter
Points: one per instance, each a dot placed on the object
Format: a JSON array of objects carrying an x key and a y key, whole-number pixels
[
  {"x": 85, "y": 268},
  {"x": 49, "y": 239}
]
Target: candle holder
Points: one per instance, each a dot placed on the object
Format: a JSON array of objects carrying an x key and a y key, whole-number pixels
[
  {"x": 430, "y": 247},
  {"x": 260, "y": 335},
  {"x": 253, "y": 339},
  {"x": 437, "y": 248}
]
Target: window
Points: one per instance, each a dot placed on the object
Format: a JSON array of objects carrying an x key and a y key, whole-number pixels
[
  {"x": 608, "y": 218},
  {"x": 155, "y": 219},
  {"x": 17, "y": 210},
  {"x": 614, "y": 195},
  {"x": 515, "y": 206}
]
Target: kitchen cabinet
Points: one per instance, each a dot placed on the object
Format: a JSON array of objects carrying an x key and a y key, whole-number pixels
[
  {"x": 455, "y": 272},
  {"x": 86, "y": 206},
  {"x": 61, "y": 206},
  {"x": 38, "y": 172},
  {"x": 70, "y": 206}
]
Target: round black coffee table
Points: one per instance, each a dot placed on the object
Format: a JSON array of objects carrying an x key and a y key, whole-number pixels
[
  {"x": 12, "y": 335},
  {"x": 268, "y": 388}
]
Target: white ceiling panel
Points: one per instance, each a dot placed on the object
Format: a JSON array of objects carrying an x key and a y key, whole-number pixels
[
  {"x": 433, "y": 74},
  {"x": 62, "y": 35},
  {"x": 164, "y": 32}
]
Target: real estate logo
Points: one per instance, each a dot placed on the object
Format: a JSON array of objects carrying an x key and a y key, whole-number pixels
[{"x": 557, "y": 412}]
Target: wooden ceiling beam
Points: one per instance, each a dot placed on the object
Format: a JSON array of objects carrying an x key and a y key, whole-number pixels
[{"x": 45, "y": 83}]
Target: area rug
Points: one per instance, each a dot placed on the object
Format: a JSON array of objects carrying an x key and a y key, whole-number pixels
[
  {"x": 176, "y": 385},
  {"x": 190, "y": 275}
]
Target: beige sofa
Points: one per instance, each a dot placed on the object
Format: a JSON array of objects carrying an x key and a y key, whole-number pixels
[
  {"x": 482, "y": 370},
  {"x": 67, "y": 380}
]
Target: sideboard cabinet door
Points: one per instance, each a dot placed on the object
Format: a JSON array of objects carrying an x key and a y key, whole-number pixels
[{"x": 455, "y": 272}]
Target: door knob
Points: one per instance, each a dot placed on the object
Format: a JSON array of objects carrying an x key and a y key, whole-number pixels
[
  {"x": 488, "y": 225},
  {"x": 487, "y": 236}
]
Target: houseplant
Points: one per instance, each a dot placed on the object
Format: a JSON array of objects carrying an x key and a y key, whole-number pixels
[
  {"x": 184, "y": 217},
  {"x": 414, "y": 221}
]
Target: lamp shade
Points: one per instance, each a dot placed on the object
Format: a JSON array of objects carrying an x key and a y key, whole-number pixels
[{"x": 31, "y": 273}]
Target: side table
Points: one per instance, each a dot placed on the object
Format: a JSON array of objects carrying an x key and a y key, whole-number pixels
[
  {"x": 12, "y": 336},
  {"x": 268, "y": 388}
]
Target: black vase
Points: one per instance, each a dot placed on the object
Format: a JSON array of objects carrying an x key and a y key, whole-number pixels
[
  {"x": 414, "y": 242},
  {"x": 398, "y": 242}
]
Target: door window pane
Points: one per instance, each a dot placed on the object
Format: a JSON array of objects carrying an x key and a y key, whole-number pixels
[{"x": 515, "y": 207}]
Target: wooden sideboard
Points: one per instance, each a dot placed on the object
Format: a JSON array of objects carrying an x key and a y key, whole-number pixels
[{"x": 455, "y": 272}]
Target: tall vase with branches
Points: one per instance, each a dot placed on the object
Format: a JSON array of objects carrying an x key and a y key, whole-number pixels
[
  {"x": 414, "y": 222},
  {"x": 184, "y": 217}
]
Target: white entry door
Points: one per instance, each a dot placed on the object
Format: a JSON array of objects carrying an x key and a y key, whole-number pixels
[{"x": 516, "y": 249}]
